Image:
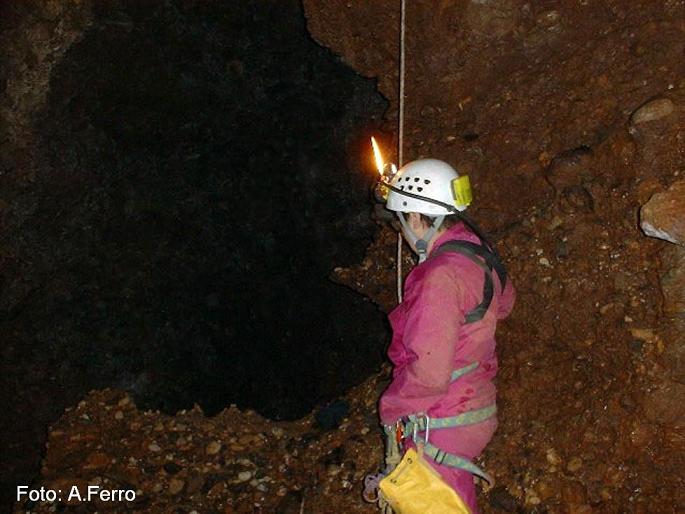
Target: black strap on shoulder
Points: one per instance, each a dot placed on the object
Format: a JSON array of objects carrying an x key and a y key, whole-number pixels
[{"x": 487, "y": 261}]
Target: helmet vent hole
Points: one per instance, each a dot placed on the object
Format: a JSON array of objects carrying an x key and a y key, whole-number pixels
[
  {"x": 419, "y": 189},
  {"x": 406, "y": 178},
  {"x": 410, "y": 187},
  {"x": 426, "y": 181},
  {"x": 402, "y": 188},
  {"x": 404, "y": 204},
  {"x": 416, "y": 179}
]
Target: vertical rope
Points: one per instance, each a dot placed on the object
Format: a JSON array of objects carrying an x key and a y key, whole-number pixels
[
  {"x": 400, "y": 141},
  {"x": 399, "y": 267}
]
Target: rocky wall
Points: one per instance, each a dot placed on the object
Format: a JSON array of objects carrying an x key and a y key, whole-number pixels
[{"x": 34, "y": 37}]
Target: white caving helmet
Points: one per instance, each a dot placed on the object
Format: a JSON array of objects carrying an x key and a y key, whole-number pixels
[{"x": 431, "y": 179}]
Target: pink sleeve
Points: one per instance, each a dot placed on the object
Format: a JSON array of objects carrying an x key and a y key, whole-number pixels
[
  {"x": 430, "y": 337},
  {"x": 506, "y": 300}
]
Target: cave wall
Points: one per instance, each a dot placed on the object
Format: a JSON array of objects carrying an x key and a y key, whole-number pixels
[{"x": 34, "y": 37}]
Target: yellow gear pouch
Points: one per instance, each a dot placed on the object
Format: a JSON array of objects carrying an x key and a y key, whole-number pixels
[{"x": 414, "y": 487}]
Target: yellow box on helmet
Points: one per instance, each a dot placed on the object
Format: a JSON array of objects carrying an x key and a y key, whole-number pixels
[{"x": 461, "y": 190}]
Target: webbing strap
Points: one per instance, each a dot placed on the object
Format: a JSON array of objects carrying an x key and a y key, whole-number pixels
[
  {"x": 454, "y": 461},
  {"x": 458, "y": 373},
  {"x": 471, "y": 417},
  {"x": 487, "y": 261},
  {"x": 392, "y": 449},
  {"x": 421, "y": 245},
  {"x": 486, "y": 253}
]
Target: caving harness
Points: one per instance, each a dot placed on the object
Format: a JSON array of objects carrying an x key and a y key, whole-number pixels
[
  {"x": 408, "y": 484},
  {"x": 414, "y": 424},
  {"x": 484, "y": 257}
]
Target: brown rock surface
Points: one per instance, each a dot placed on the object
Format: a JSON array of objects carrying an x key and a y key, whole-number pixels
[
  {"x": 653, "y": 111},
  {"x": 673, "y": 357},
  {"x": 661, "y": 127},
  {"x": 664, "y": 215},
  {"x": 32, "y": 46},
  {"x": 673, "y": 279},
  {"x": 665, "y": 404}
]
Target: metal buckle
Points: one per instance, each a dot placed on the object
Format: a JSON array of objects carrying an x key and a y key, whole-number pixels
[{"x": 416, "y": 428}]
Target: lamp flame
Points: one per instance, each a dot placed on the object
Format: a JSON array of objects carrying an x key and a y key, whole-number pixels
[{"x": 378, "y": 156}]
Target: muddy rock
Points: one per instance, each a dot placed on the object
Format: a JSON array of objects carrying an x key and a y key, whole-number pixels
[
  {"x": 673, "y": 357},
  {"x": 97, "y": 460},
  {"x": 576, "y": 199},
  {"x": 579, "y": 508},
  {"x": 42, "y": 43},
  {"x": 237, "y": 477},
  {"x": 213, "y": 448},
  {"x": 553, "y": 457},
  {"x": 501, "y": 499},
  {"x": 658, "y": 133},
  {"x": 573, "y": 493},
  {"x": 664, "y": 404},
  {"x": 672, "y": 280},
  {"x": 663, "y": 216},
  {"x": 493, "y": 18},
  {"x": 175, "y": 486},
  {"x": 652, "y": 111},
  {"x": 569, "y": 169},
  {"x": 574, "y": 464},
  {"x": 647, "y": 188},
  {"x": 549, "y": 20},
  {"x": 363, "y": 34},
  {"x": 290, "y": 504}
]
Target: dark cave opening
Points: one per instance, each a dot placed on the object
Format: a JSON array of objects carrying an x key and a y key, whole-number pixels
[{"x": 201, "y": 174}]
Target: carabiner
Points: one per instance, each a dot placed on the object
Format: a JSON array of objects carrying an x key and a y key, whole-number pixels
[{"x": 416, "y": 428}]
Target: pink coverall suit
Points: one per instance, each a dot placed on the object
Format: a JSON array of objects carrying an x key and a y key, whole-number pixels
[{"x": 431, "y": 339}]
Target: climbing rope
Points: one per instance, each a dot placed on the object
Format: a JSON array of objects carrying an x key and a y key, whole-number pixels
[
  {"x": 401, "y": 117},
  {"x": 399, "y": 267},
  {"x": 400, "y": 140}
]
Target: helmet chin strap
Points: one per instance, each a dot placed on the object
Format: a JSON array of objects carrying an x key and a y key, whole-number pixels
[{"x": 421, "y": 245}]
